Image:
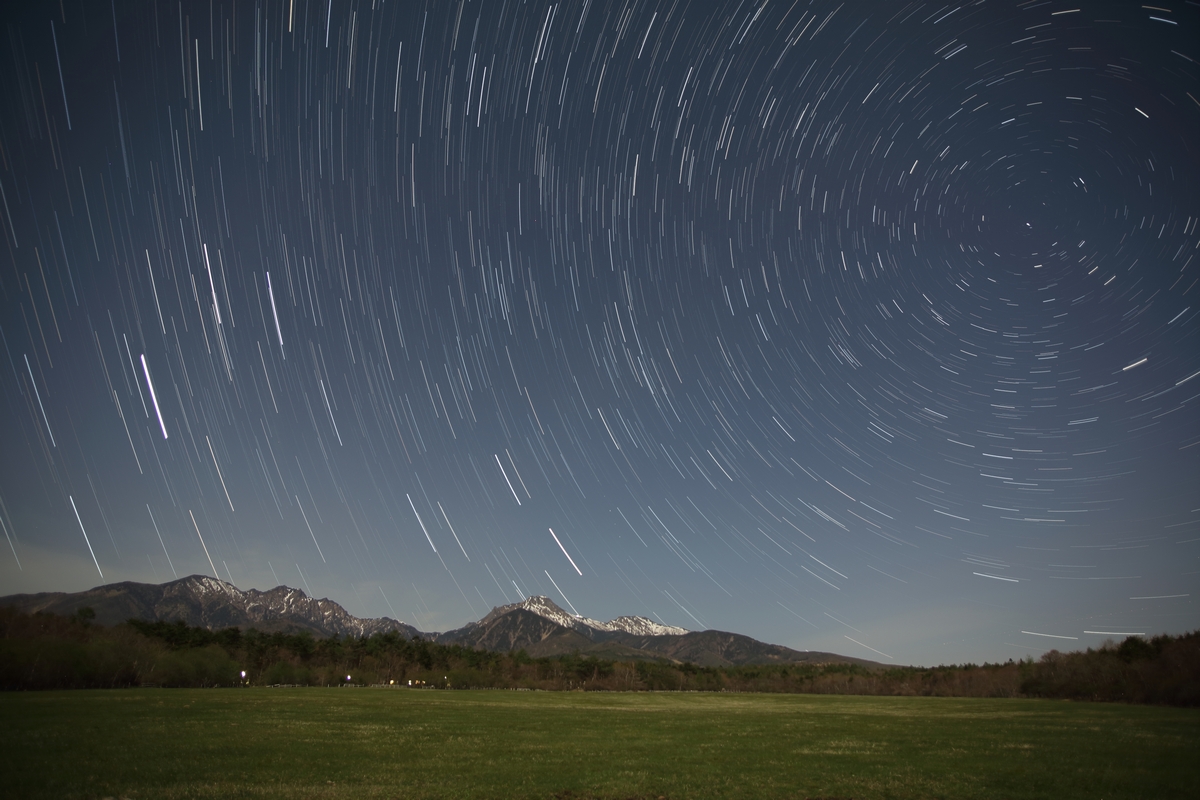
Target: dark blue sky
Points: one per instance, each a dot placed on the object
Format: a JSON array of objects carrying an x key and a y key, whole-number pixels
[{"x": 855, "y": 327}]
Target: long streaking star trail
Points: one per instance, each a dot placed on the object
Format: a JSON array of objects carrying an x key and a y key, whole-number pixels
[
  {"x": 211, "y": 283},
  {"x": 11, "y": 546},
  {"x": 422, "y": 524},
  {"x": 275, "y": 315},
  {"x": 170, "y": 563},
  {"x": 564, "y": 550},
  {"x": 452, "y": 532},
  {"x": 153, "y": 397},
  {"x": 310, "y": 530},
  {"x": 85, "y": 536},
  {"x": 42, "y": 408},
  {"x": 62, "y": 85},
  {"x": 220, "y": 477},
  {"x": 506, "y": 480},
  {"x": 561, "y": 592},
  {"x": 202, "y": 544},
  {"x": 329, "y": 409}
]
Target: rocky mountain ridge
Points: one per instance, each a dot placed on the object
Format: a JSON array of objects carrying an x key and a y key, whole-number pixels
[
  {"x": 547, "y": 608},
  {"x": 541, "y": 628},
  {"x": 536, "y": 624},
  {"x": 210, "y": 603}
]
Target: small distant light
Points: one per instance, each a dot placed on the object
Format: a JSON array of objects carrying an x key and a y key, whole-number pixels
[
  {"x": 243, "y": 673},
  {"x": 347, "y": 677}
]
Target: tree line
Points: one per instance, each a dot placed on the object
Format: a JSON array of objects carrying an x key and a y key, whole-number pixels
[{"x": 47, "y": 651}]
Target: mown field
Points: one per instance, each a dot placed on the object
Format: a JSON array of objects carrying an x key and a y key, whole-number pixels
[{"x": 404, "y": 743}]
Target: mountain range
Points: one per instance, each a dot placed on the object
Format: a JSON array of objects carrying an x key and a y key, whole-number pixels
[{"x": 536, "y": 625}]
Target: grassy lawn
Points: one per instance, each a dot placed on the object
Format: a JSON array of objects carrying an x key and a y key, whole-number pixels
[{"x": 334, "y": 743}]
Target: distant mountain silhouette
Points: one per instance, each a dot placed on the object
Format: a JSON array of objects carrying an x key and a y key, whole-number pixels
[
  {"x": 210, "y": 603},
  {"x": 536, "y": 625}
]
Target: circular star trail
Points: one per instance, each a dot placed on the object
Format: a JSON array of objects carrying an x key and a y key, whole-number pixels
[{"x": 851, "y": 327}]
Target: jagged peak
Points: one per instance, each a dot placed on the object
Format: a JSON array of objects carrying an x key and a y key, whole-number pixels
[
  {"x": 545, "y": 607},
  {"x": 641, "y": 626},
  {"x": 538, "y": 604},
  {"x": 206, "y": 583},
  {"x": 282, "y": 601}
]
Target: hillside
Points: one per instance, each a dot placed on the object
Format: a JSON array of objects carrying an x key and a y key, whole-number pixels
[
  {"x": 206, "y": 602},
  {"x": 536, "y": 625}
]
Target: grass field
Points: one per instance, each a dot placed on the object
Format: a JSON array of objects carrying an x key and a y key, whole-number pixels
[{"x": 344, "y": 743}]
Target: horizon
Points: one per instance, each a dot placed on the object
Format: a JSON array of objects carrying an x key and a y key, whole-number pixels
[
  {"x": 574, "y": 616},
  {"x": 861, "y": 330}
]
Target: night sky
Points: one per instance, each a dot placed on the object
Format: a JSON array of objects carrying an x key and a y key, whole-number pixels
[{"x": 848, "y": 326}]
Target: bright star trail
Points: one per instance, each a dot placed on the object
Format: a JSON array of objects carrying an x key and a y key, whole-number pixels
[{"x": 882, "y": 316}]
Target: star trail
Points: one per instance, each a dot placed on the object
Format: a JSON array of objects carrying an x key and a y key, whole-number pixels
[{"x": 861, "y": 327}]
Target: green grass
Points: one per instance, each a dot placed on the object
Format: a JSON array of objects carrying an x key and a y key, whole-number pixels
[{"x": 335, "y": 743}]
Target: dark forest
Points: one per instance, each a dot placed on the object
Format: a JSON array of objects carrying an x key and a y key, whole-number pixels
[{"x": 47, "y": 651}]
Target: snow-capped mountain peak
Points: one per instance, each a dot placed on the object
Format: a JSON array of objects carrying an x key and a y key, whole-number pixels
[
  {"x": 640, "y": 626},
  {"x": 545, "y": 607}
]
